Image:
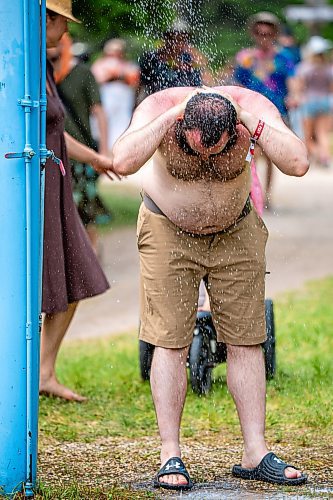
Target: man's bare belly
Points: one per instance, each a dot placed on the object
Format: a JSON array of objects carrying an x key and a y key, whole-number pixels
[{"x": 200, "y": 206}]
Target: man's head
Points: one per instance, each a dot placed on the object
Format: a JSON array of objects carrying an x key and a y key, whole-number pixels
[
  {"x": 209, "y": 124},
  {"x": 264, "y": 27}
]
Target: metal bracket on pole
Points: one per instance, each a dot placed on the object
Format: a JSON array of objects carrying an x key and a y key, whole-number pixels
[{"x": 28, "y": 103}]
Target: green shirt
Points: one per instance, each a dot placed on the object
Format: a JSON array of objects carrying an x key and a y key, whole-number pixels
[{"x": 79, "y": 92}]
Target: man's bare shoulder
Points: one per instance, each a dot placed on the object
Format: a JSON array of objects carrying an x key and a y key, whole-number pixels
[
  {"x": 251, "y": 101},
  {"x": 238, "y": 92}
]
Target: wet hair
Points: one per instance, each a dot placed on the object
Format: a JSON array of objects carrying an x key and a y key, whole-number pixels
[{"x": 211, "y": 114}]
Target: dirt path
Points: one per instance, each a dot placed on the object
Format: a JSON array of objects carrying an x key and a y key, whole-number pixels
[
  {"x": 134, "y": 462},
  {"x": 300, "y": 248}
]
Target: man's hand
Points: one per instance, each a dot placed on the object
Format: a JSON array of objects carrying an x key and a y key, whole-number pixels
[{"x": 182, "y": 105}]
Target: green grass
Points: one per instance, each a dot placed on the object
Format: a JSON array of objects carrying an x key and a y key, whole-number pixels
[
  {"x": 123, "y": 201},
  {"x": 106, "y": 370},
  {"x": 79, "y": 492}
]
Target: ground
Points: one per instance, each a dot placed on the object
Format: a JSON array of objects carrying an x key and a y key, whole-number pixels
[{"x": 134, "y": 462}]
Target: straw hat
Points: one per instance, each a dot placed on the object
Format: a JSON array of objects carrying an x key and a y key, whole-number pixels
[{"x": 62, "y": 7}]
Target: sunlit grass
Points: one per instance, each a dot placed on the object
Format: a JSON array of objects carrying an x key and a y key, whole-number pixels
[
  {"x": 123, "y": 201},
  {"x": 106, "y": 370}
]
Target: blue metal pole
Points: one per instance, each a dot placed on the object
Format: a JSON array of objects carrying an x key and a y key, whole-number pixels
[{"x": 20, "y": 243}]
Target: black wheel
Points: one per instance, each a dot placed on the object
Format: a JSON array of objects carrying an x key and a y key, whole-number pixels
[
  {"x": 146, "y": 356},
  {"x": 199, "y": 361},
  {"x": 269, "y": 345}
]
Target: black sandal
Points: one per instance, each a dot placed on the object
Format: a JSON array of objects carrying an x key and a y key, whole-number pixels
[
  {"x": 271, "y": 470},
  {"x": 174, "y": 465}
]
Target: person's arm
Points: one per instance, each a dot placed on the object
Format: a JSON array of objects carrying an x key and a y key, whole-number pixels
[
  {"x": 279, "y": 143},
  {"x": 98, "y": 112},
  {"x": 81, "y": 153},
  {"x": 295, "y": 86},
  {"x": 150, "y": 123}
]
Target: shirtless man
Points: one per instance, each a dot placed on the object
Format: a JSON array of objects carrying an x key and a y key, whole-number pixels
[{"x": 196, "y": 221}]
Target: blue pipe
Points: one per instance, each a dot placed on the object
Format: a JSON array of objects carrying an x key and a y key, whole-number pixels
[
  {"x": 28, "y": 149},
  {"x": 19, "y": 250},
  {"x": 43, "y": 152}
]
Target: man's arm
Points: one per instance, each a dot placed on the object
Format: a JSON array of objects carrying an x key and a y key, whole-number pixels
[
  {"x": 279, "y": 143},
  {"x": 151, "y": 121}
]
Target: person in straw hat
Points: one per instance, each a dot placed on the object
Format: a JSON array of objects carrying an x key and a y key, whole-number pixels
[{"x": 71, "y": 271}]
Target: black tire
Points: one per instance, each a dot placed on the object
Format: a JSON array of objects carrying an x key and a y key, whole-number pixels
[
  {"x": 146, "y": 352},
  {"x": 199, "y": 364},
  {"x": 269, "y": 345}
]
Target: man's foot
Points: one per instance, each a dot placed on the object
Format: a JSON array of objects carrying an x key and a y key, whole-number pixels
[
  {"x": 52, "y": 387},
  {"x": 249, "y": 463},
  {"x": 168, "y": 478},
  {"x": 270, "y": 469}
]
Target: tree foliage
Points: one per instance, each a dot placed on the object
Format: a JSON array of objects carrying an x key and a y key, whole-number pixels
[{"x": 219, "y": 27}]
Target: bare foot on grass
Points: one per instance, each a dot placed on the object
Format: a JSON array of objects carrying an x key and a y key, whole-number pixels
[{"x": 52, "y": 387}]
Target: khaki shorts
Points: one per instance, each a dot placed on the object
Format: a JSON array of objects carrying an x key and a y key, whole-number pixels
[{"x": 172, "y": 264}]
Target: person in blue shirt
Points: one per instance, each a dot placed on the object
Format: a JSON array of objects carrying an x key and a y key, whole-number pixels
[{"x": 265, "y": 68}]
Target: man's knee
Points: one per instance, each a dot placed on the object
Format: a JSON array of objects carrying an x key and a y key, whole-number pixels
[
  {"x": 166, "y": 352},
  {"x": 243, "y": 351}
]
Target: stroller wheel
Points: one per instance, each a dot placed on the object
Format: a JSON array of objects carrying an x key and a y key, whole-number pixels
[
  {"x": 199, "y": 364},
  {"x": 269, "y": 345},
  {"x": 146, "y": 357}
]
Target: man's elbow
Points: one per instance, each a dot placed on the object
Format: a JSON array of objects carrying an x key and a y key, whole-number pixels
[
  {"x": 302, "y": 164},
  {"x": 300, "y": 168},
  {"x": 121, "y": 165}
]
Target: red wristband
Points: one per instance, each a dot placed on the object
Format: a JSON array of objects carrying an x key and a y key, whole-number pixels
[
  {"x": 253, "y": 140},
  {"x": 258, "y": 130}
]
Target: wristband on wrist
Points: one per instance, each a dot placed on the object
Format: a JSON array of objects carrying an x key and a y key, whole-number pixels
[{"x": 253, "y": 140}]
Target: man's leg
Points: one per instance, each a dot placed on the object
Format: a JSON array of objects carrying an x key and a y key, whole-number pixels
[
  {"x": 247, "y": 385},
  {"x": 168, "y": 381},
  {"x": 54, "y": 329}
]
